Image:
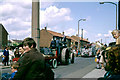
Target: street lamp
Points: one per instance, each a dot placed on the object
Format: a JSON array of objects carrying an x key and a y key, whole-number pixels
[
  {"x": 78, "y": 31},
  {"x": 116, "y": 10}
]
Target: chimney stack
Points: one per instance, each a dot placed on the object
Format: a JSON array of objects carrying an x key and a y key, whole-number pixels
[
  {"x": 77, "y": 35},
  {"x": 45, "y": 28},
  {"x": 63, "y": 32}
]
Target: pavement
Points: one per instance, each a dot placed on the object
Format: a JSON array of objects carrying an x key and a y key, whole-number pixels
[
  {"x": 95, "y": 73},
  {"x": 2, "y": 66}
]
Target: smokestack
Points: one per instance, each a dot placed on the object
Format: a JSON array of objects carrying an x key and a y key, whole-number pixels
[
  {"x": 63, "y": 32},
  {"x": 45, "y": 28}
]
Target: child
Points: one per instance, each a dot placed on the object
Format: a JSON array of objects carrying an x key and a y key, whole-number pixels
[
  {"x": 14, "y": 68},
  {"x": 3, "y": 58}
]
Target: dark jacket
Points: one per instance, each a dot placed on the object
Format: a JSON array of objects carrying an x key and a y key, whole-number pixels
[
  {"x": 6, "y": 53},
  {"x": 31, "y": 67}
]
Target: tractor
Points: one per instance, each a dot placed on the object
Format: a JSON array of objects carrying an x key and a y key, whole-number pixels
[{"x": 58, "y": 54}]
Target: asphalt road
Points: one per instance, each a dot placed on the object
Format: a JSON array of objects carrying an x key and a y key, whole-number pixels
[{"x": 77, "y": 70}]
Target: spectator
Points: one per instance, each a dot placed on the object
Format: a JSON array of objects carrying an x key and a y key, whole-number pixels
[
  {"x": 102, "y": 58},
  {"x": 11, "y": 55},
  {"x": 16, "y": 53},
  {"x": 6, "y": 55},
  {"x": 14, "y": 68},
  {"x": 113, "y": 63},
  {"x": 21, "y": 50},
  {"x": 98, "y": 58},
  {"x": 33, "y": 65}
]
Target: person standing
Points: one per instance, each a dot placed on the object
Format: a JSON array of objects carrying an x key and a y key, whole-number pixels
[
  {"x": 11, "y": 55},
  {"x": 53, "y": 44},
  {"x": 102, "y": 58},
  {"x": 21, "y": 50},
  {"x": 16, "y": 53},
  {"x": 98, "y": 58},
  {"x": 6, "y": 55},
  {"x": 33, "y": 65}
]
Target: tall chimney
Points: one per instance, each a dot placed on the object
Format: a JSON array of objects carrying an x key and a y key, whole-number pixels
[
  {"x": 45, "y": 28},
  {"x": 63, "y": 32}
]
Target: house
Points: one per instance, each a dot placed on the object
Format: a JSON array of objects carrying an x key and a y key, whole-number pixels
[
  {"x": 3, "y": 36},
  {"x": 74, "y": 41},
  {"x": 46, "y": 36}
]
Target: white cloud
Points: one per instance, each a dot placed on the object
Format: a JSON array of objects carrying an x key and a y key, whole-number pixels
[
  {"x": 109, "y": 34},
  {"x": 98, "y": 39},
  {"x": 106, "y": 38},
  {"x": 99, "y": 35},
  {"x": 106, "y": 35},
  {"x": 70, "y": 32},
  {"x": 16, "y": 18},
  {"x": 21, "y": 34},
  {"x": 54, "y": 16}
]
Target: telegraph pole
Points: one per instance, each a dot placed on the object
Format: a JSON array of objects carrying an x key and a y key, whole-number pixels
[
  {"x": 35, "y": 23},
  {"x": 82, "y": 38},
  {"x": 119, "y": 15}
]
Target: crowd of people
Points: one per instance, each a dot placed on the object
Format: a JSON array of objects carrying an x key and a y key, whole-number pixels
[
  {"x": 30, "y": 64},
  {"x": 108, "y": 58},
  {"x": 9, "y": 54}
]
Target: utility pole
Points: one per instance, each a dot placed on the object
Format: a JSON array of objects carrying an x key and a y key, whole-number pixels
[
  {"x": 101, "y": 40},
  {"x": 119, "y": 15},
  {"x": 81, "y": 37},
  {"x": 35, "y": 23},
  {"x": 78, "y": 31}
]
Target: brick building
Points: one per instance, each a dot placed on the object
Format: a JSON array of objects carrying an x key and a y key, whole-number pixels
[
  {"x": 46, "y": 36},
  {"x": 74, "y": 41},
  {"x": 3, "y": 36}
]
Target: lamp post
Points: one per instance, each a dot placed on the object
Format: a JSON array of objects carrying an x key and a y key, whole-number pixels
[
  {"x": 78, "y": 31},
  {"x": 116, "y": 10}
]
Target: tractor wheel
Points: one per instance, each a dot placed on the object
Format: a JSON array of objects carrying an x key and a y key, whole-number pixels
[
  {"x": 72, "y": 58},
  {"x": 54, "y": 63},
  {"x": 65, "y": 56}
]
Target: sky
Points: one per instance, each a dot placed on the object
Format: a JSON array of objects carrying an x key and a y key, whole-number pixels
[{"x": 61, "y": 16}]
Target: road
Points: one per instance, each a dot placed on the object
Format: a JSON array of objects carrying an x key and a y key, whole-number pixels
[{"x": 77, "y": 70}]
